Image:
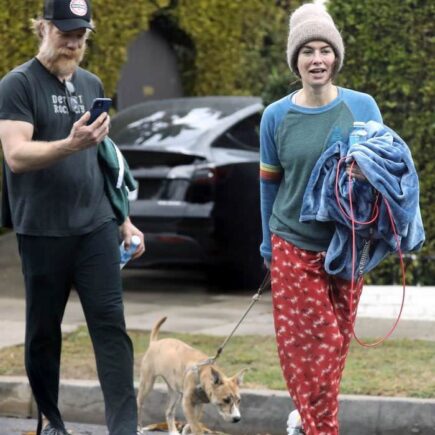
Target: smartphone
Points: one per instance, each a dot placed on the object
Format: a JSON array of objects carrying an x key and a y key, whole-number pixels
[{"x": 99, "y": 105}]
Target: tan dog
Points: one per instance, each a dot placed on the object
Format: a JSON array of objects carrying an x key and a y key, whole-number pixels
[{"x": 189, "y": 377}]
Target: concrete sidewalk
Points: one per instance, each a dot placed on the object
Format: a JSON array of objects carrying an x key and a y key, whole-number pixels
[
  {"x": 192, "y": 307},
  {"x": 218, "y": 313}
]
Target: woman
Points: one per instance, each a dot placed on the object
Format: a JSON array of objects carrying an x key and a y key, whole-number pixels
[{"x": 313, "y": 322}]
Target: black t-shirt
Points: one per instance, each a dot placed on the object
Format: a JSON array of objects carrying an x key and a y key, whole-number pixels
[{"x": 66, "y": 198}]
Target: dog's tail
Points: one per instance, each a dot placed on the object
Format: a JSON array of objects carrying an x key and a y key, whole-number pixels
[{"x": 155, "y": 331}]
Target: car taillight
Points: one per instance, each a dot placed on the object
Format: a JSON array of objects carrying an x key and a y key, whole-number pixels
[
  {"x": 204, "y": 176},
  {"x": 202, "y": 186},
  {"x": 211, "y": 174}
]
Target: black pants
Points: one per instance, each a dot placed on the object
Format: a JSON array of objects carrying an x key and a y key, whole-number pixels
[{"x": 90, "y": 263}]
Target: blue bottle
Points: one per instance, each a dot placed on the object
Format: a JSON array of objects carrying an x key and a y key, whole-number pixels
[
  {"x": 126, "y": 254},
  {"x": 358, "y": 133}
]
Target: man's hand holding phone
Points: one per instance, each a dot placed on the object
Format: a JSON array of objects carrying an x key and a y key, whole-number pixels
[
  {"x": 91, "y": 128},
  {"x": 99, "y": 106}
]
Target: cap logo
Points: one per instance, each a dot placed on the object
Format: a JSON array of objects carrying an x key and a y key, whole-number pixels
[{"x": 78, "y": 7}]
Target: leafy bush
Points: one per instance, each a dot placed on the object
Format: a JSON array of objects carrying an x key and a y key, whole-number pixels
[
  {"x": 237, "y": 44},
  {"x": 116, "y": 25},
  {"x": 389, "y": 54}
]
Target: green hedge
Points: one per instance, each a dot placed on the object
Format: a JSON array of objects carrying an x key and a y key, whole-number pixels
[
  {"x": 117, "y": 24},
  {"x": 235, "y": 43},
  {"x": 390, "y": 54},
  {"x": 18, "y": 42}
]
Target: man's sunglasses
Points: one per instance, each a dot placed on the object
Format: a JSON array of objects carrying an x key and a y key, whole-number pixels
[{"x": 71, "y": 97}]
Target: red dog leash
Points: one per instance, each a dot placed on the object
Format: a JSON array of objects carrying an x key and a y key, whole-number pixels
[{"x": 375, "y": 216}]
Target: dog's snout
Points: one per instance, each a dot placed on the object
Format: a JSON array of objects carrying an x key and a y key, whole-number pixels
[{"x": 236, "y": 419}]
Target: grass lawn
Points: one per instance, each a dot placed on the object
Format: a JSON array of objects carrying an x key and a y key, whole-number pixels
[{"x": 396, "y": 368}]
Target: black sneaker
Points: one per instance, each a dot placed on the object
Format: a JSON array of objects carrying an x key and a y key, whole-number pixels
[{"x": 50, "y": 430}]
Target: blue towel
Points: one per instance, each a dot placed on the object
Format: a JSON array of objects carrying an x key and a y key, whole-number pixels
[{"x": 386, "y": 161}]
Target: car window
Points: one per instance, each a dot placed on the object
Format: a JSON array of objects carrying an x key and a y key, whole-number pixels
[
  {"x": 244, "y": 135},
  {"x": 166, "y": 127}
]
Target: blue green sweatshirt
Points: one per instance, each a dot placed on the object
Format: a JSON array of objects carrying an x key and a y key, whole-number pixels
[{"x": 292, "y": 138}]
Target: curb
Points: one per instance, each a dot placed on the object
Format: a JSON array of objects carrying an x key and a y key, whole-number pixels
[{"x": 263, "y": 411}]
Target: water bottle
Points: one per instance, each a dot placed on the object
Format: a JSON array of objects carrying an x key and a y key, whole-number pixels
[
  {"x": 126, "y": 254},
  {"x": 358, "y": 133}
]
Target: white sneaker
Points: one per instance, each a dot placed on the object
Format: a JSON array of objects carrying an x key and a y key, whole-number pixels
[{"x": 294, "y": 423}]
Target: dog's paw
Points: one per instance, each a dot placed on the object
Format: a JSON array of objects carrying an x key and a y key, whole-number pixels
[
  {"x": 186, "y": 430},
  {"x": 174, "y": 433}
]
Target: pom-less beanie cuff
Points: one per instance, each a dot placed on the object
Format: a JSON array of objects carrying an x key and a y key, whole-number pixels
[{"x": 311, "y": 22}]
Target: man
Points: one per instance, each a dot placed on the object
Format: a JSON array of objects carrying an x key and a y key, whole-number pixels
[{"x": 54, "y": 199}]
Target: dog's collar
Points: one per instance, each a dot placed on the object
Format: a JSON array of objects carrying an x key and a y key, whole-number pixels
[
  {"x": 201, "y": 395},
  {"x": 195, "y": 370},
  {"x": 199, "y": 391}
]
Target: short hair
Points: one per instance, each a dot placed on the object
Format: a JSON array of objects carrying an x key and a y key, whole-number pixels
[{"x": 36, "y": 27}]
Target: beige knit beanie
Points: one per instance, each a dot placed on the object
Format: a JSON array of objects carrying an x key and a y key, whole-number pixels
[{"x": 308, "y": 23}]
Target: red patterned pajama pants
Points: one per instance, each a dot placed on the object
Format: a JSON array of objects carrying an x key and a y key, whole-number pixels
[{"x": 313, "y": 327}]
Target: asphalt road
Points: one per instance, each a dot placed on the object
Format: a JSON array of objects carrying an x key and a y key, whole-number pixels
[{"x": 21, "y": 426}]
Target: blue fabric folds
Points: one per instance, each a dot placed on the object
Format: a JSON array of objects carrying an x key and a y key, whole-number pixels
[{"x": 386, "y": 161}]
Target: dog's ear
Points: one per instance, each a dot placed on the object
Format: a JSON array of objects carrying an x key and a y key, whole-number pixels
[
  {"x": 238, "y": 377},
  {"x": 216, "y": 377}
]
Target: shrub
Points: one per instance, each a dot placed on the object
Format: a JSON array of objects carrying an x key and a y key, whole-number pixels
[
  {"x": 236, "y": 43},
  {"x": 389, "y": 54}
]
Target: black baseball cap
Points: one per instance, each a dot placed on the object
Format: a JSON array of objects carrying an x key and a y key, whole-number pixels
[{"x": 68, "y": 15}]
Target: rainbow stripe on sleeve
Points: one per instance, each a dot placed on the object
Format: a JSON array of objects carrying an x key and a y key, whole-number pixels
[{"x": 270, "y": 173}]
